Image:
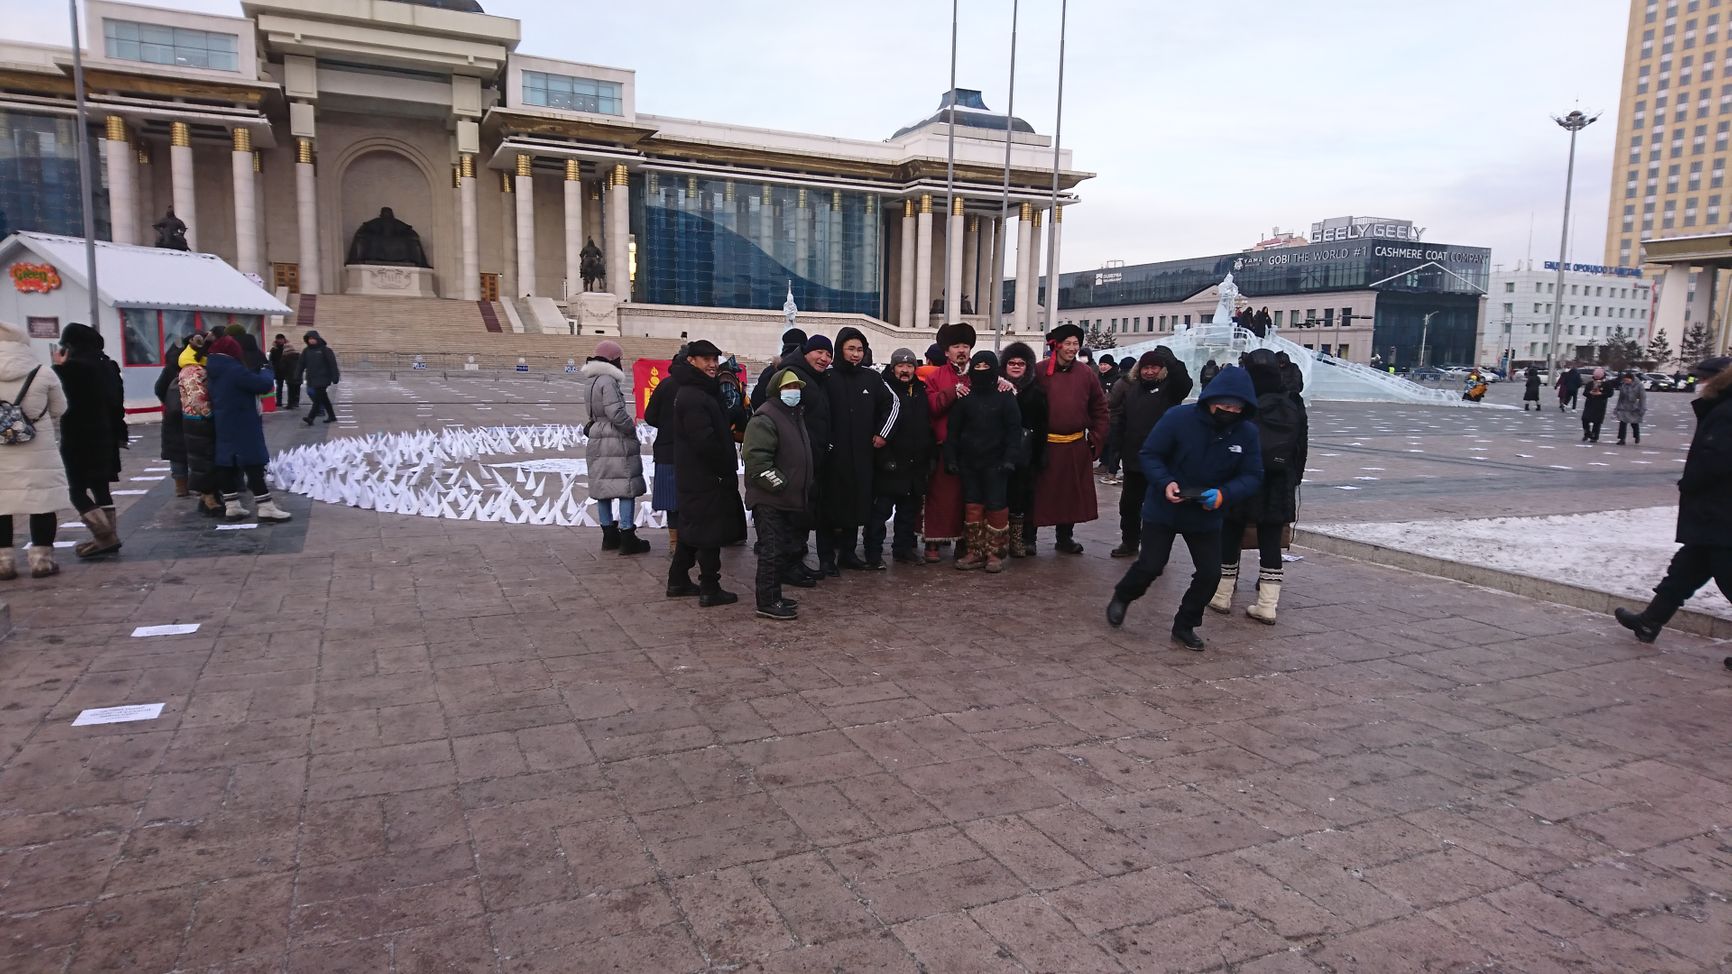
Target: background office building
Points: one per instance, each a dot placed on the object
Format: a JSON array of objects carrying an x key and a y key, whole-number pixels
[
  {"x": 1599, "y": 303},
  {"x": 1372, "y": 290}
]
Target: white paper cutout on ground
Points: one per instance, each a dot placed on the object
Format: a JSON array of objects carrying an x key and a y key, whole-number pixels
[
  {"x": 178, "y": 629},
  {"x": 118, "y": 715},
  {"x": 236, "y": 527},
  {"x": 128, "y": 493},
  {"x": 146, "y": 479}
]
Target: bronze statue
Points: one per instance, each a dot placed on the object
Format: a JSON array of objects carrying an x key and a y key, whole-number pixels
[
  {"x": 590, "y": 264},
  {"x": 170, "y": 232},
  {"x": 387, "y": 240}
]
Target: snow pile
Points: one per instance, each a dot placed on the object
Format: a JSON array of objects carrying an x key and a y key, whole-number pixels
[{"x": 1618, "y": 552}]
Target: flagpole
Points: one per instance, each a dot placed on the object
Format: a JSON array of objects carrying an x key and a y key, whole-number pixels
[
  {"x": 952, "y": 244},
  {"x": 1003, "y": 233},
  {"x": 1052, "y": 268},
  {"x": 86, "y": 192}
]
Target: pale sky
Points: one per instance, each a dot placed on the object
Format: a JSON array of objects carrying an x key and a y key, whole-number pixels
[{"x": 1207, "y": 123}]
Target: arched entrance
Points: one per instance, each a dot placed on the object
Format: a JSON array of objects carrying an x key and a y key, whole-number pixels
[{"x": 381, "y": 174}]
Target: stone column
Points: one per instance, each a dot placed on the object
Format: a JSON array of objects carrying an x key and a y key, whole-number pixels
[
  {"x": 953, "y": 234},
  {"x": 1019, "y": 314},
  {"x": 525, "y": 225},
  {"x": 263, "y": 221},
  {"x": 470, "y": 227},
  {"x": 185, "y": 186},
  {"x": 989, "y": 243},
  {"x": 1701, "y": 311},
  {"x": 619, "y": 232},
  {"x": 802, "y": 262},
  {"x": 837, "y": 269},
  {"x": 1031, "y": 313},
  {"x": 1052, "y": 268},
  {"x": 1668, "y": 314},
  {"x": 246, "y": 203},
  {"x": 573, "y": 228},
  {"x": 508, "y": 238},
  {"x": 307, "y": 216},
  {"x": 905, "y": 278},
  {"x": 122, "y": 207},
  {"x": 143, "y": 196},
  {"x": 971, "y": 262},
  {"x": 923, "y": 263}
]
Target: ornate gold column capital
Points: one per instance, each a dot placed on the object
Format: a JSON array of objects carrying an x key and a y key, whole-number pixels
[
  {"x": 1025, "y": 212},
  {"x": 907, "y": 209},
  {"x": 258, "y": 161},
  {"x": 304, "y": 151},
  {"x": 243, "y": 140},
  {"x": 505, "y": 182},
  {"x": 926, "y": 202},
  {"x": 456, "y": 177},
  {"x": 836, "y": 199},
  {"x": 179, "y": 134},
  {"x": 728, "y": 191},
  {"x": 619, "y": 176},
  {"x": 573, "y": 171},
  {"x": 525, "y": 164},
  {"x": 1037, "y": 219},
  {"x": 116, "y": 128},
  {"x": 143, "y": 154},
  {"x": 466, "y": 165},
  {"x": 691, "y": 185},
  {"x": 956, "y": 205},
  {"x": 1058, "y": 214},
  {"x": 801, "y": 199},
  {"x": 974, "y": 224}
]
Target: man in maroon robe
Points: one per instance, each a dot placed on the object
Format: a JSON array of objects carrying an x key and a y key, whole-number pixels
[
  {"x": 943, "y": 385},
  {"x": 1076, "y": 431}
]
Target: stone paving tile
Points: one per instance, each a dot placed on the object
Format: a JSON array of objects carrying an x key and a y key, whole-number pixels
[{"x": 402, "y": 745}]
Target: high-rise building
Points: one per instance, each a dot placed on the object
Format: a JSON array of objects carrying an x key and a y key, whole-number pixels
[{"x": 1670, "y": 205}]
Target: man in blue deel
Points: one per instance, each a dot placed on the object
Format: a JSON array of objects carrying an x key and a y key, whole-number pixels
[{"x": 1197, "y": 458}]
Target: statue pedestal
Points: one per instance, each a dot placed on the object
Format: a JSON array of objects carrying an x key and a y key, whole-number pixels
[
  {"x": 389, "y": 280},
  {"x": 596, "y": 312}
]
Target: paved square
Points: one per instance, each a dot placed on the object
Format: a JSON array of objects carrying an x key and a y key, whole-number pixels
[{"x": 409, "y": 744}]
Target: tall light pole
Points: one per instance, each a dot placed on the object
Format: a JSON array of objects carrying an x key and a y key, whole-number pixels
[
  {"x": 1052, "y": 224},
  {"x": 86, "y": 190},
  {"x": 1004, "y": 201},
  {"x": 1574, "y": 122}
]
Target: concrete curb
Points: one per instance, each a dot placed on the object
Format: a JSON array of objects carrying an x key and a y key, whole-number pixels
[{"x": 1546, "y": 590}]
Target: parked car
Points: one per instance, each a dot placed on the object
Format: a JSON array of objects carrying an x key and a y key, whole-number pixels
[
  {"x": 1659, "y": 382},
  {"x": 1427, "y": 374}
]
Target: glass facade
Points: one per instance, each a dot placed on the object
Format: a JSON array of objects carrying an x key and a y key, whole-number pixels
[
  {"x": 39, "y": 177},
  {"x": 734, "y": 243},
  {"x": 572, "y": 94},
  {"x": 180, "y": 47}
]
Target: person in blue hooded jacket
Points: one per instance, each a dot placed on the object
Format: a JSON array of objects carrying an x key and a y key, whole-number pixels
[{"x": 1197, "y": 459}]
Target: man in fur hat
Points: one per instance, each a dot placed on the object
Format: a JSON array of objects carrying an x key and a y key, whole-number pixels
[{"x": 1076, "y": 434}]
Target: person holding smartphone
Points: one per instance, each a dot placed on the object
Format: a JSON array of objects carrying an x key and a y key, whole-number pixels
[{"x": 1198, "y": 458}]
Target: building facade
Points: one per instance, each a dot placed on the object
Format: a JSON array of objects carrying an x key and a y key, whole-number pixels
[
  {"x": 275, "y": 135},
  {"x": 1599, "y": 304},
  {"x": 1372, "y": 300}
]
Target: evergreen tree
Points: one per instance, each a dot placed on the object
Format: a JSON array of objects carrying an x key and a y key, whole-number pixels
[
  {"x": 1622, "y": 351},
  {"x": 1694, "y": 348},
  {"x": 1099, "y": 338},
  {"x": 1660, "y": 351}
]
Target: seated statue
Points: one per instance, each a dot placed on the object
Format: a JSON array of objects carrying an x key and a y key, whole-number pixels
[
  {"x": 387, "y": 240},
  {"x": 170, "y": 232}
]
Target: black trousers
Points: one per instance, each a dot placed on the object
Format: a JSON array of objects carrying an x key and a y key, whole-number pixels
[
  {"x": 1591, "y": 427},
  {"x": 294, "y": 396},
  {"x": 1151, "y": 561},
  {"x": 1110, "y": 453},
  {"x": 1131, "y": 495},
  {"x": 1693, "y": 566},
  {"x": 88, "y": 495},
  {"x": 987, "y": 486},
  {"x": 777, "y": 549},
  {"x": 254, "y": 476},
  {"x": 906, "y": 508},
  {"x": 708, "y": 560},
  {"x": 1268, "y": 543},
  {"x": 1635, "y": 426},
  {"x": 42, "y": 528},
  {"x": 321, "y": 402}
]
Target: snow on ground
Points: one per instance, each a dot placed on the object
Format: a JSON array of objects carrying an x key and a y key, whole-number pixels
[{"x": 1619, "y": 552}]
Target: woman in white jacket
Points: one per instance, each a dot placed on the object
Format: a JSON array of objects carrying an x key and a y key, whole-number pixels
[{"x": 32, "y": 476}]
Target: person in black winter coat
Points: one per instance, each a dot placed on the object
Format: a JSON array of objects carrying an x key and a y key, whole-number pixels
[
  {"x": 173, "y": 432},
  {"x": 290, "y": 377},
  {"x": 1160, "y": 382},
  {"x": 279, "y": 371},
  {"x": 659, "y": 414},
  {"x": 710, "y": 512},
  {"x": 792, "y": 339},
  {"x": 983, "y": 446},
  {"x": 1261, "y": 324},
  {"x": 1017, "y": 364},
  {"x": 92, "y": 433},
  {"x": 1531, "y": 393},
  {"x": 1704, "y": 507},
  {"x": 1292, "y": 379},
  {"x": 863, "y": 414},
  {"x": 1283, "y": 433},
  {"x": 1207, "y": 375},
  {"x": 811, "y": 361},
  {"x": 319, "y": 368},
  {"x": 903, "y": 465}
]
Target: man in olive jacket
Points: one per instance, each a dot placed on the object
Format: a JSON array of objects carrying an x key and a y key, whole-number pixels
[{"x": 780, "y": 477}]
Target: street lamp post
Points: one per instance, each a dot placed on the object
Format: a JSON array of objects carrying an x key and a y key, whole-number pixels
[
  {"x": 1424, "y": 336},
  {"x": 1574, "y": 122}
]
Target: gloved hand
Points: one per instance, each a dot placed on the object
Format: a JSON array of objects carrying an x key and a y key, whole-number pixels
[
  {"x": 1211, "y": 499},
  {"x": 951, "y": 469}
]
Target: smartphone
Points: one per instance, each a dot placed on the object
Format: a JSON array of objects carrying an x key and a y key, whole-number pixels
[{"x": 1191, "y": 493}]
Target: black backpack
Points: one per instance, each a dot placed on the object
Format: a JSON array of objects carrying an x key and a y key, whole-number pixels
[{"x": 1279, "y": 425}]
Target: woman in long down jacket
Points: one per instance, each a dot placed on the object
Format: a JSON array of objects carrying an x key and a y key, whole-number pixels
[
  {"x": 710, "y": 512},
  {"x": 91, "y": 434},
  {"x": 240, "y": 434},
  {"x": 1632, "y": 406},
  {"x": 614, "y": 457},
  {"x": 1284, "y": 430},
  {"x": 32, "y": 477},
  {"x": 1532, "y": 391}
]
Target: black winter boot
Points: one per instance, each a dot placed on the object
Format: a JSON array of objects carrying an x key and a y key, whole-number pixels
[
  {"x": 609, "y": 537},
  {"x": 1640, "y": 623},
  {"x": 629, "y": 543}
]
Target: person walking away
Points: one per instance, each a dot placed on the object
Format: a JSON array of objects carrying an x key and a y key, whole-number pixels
[
  {"x": 1596, "y": 393},
  {"x": 982, "y": 446},
  {"x": 706, "y": 462},
  {"x": 32, "y": 476},
  {"x": 863, "y": 415},
  {"x": 173, "y": 438},
  {"x": 944, "y": 386},
  {"x": 659, "y": 414},
  {"x": 780, "y": 478},
  {"x": 612, "y": 452},
  {"x": 1704, "y": 508},
  {"x": 902, "y": 467},
  {"x": 241, "y": 453},
  {"x": 92, "y": 432},
  {"x": 1569, "y": 382},
  {"x": 1207, "y": 374},
  {"x": 1018, "y": 365},
  {"x": 1632, "y": 407},
  {"x": 1160, "y": 383},
  {"x": 1064, "y": 494},
  {"x": 319, "y": 369},
  {"x": 1200, "y": 457},
  {"x": 1283, "y": 433},
  {"x": 1532, "y": 392},
  {"x": 1291, "y": 376},
  {"x": 292, "y": 371},
  {"x": 279, "y": 345},
  {"x": 1111, "y": 373}
]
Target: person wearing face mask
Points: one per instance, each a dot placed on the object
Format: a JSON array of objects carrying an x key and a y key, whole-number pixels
[
  {"x": 1018, "y": 363},
  {"x": 1200, "y": 457},
  {"x": 982, "y": 446},
  {"x": 780, "y": 479}
]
